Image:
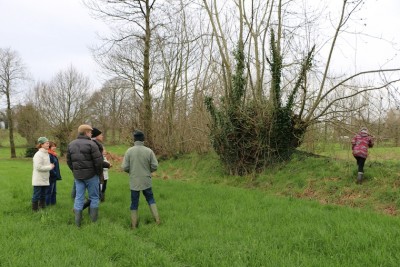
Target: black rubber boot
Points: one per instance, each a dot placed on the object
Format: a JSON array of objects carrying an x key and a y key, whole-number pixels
[
  {"x": 87, "y": 205},
  {"x": 35, "y": 206},
  {"x": 94, "y": 213},
  {"x": 78, "y": 217},
  {"x": 42, "y": 203}
]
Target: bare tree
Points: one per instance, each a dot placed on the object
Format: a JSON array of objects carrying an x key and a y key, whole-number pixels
[
  {"x": 64, "y": 103},
  {"x": 128, "y": 52},
  {"x": 12, "y": 72},
  {"x": 112, "y": 108}
]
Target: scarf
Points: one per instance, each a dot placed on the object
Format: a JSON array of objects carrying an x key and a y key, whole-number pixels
[{"x": 52, "y": 152}]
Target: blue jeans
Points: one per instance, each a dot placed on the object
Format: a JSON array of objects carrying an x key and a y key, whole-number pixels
[
  {"x": 39, "y": 193},
  {"x": 92, "y": 186},
  {"x": 51, "y": 192},
  {"x": 148, "y": 194}
]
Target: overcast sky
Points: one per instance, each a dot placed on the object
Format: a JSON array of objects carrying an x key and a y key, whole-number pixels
[{"x": 50, "y": 35}]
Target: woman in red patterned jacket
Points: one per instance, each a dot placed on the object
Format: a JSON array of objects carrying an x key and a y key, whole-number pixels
[{"x": 360, "y": 144}]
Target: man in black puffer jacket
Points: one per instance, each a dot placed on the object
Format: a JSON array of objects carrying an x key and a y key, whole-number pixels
[{"x": 86, "y": 162}]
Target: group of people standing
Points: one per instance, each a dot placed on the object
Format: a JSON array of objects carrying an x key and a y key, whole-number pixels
[
  {"x": 89, "y": 165},
  {"x": 87, "y": 161}
]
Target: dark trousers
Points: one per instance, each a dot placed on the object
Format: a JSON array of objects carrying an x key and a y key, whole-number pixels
[
  {"x": 39, "y": 193},
  {"x": 104, "y": 186},
  {"x": 51, "y": 193},
  {"x": 148, "y": 194},
  {"x": 360, "y": 163}
]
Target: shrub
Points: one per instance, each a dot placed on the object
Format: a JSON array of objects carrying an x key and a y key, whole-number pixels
[{"x": 30, "y": 152}]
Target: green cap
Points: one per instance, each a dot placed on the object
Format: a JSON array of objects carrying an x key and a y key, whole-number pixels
[{"x": 42, "y": 140}]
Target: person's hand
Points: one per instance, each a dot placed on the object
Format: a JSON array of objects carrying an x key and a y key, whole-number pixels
[{"x": 52, "y": 165}]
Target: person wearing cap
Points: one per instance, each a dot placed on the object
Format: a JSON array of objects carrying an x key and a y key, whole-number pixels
[
  {"x": 41, "y": 173},
  {"x": 360, "y": 144},
  {"x": 86, "y": 162},
  {"x": 140, "y": 161},
  {"x": 98, "y": 138}
]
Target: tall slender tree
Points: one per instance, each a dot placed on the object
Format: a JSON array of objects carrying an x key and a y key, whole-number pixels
[{"x": 12, "y": 73}]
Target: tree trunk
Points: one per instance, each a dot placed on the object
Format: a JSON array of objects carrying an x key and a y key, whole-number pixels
[
  {"x": 148, "y": 114},
  {"x": 10, "y": 127}
]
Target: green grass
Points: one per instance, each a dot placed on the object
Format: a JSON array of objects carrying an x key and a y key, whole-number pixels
[
  {"x": 328, "y": 180},
  {"x": 210, "y": 219}
]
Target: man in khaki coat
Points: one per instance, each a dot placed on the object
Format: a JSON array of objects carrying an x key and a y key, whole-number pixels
[{"x": 140, "y": 161}]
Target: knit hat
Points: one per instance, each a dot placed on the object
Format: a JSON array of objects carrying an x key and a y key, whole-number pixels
[
  {"x": 95, "y": 132},
  {"x": 42, "y": 140},
  {"x": 363, "y": 130},
  {"x": 138, "y": 135},
  {"x": 84, "y": 127}
]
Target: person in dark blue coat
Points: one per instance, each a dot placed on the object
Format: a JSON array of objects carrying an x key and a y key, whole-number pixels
[{"x": 55, "y": 175}]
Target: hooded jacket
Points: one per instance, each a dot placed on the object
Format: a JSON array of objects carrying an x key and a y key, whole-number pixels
[{"x": 360, "y": 144}]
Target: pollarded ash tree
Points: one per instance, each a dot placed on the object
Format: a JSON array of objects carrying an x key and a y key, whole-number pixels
[{"x": 249, "y": 135}]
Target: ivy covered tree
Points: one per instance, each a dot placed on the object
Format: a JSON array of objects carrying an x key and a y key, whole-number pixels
[{"x": 250, "y": 135}]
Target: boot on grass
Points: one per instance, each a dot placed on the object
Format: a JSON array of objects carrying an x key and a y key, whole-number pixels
[
  {"x": 78, "y": 217},
  {"x": 134, "y": 219},
  {"x": 360, "y": 177},
  {"x": 154, "y": 212},
  {"x": 35, "y": 206},
  {"x": 87, "y": 205},
  {"x": 94, "y": 214},
  {"x": 42, "y": 203}
]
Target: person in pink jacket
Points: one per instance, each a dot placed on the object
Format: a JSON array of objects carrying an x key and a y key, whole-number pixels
[{"x": 360, "y": 144}]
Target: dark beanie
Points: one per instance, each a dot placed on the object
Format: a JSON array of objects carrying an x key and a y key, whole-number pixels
[
  {"x": 138, "y": 135},
  {"x": 95, "y": 132}
]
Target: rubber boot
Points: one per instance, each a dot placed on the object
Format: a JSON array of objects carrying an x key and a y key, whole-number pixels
[
  {"x": 94, "y": 213},
  {"x": 42, "y": 203},
  {"x": 78, "y": 217},
  {"x": 87, "y": 205},
  {"x": 134, "y": 219},
  {"x": 35, "y": 206},
  {"x": 154, "y": 212},
  {"x": 360, "y": 177}
]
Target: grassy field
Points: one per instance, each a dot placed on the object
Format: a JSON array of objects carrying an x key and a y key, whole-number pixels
[{"x": 210, "y": 219}]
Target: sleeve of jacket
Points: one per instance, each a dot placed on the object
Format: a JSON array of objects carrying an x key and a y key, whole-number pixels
[
  {"x": 153, "y": 162},
  {"x": 371, "y": 142},
  {"x": 69, "y": 161},
  {"x": 53, "y": 172},
  {"x": 97, "y": 158},
  {"x": 106, "y": 164},
  {"x": 126, "y": 163}
]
